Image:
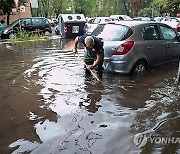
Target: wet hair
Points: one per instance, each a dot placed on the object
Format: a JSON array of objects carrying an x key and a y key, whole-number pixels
[{"x": 89, "y": 41}]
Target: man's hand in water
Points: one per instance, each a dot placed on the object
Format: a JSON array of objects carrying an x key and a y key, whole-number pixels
[
  {"x": 74, "y": 50},
  {"x": 89, "y": 67}
]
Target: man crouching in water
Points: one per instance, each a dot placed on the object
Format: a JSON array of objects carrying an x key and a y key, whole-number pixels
[{"x": 94, "y": 53}]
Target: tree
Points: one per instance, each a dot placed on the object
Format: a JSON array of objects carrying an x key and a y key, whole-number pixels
[
  {"x": 6, "y": 7},
  {"x": 83, "y": 6},
  {"x": 49, "y": 8}
]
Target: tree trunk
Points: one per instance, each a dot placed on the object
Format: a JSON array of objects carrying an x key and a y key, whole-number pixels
[{"x": 8, "y": 18}]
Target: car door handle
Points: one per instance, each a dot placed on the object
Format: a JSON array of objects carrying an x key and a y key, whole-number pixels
[
  {"x": 114, "y": 48},
  {"x": 149, "y": 47}
]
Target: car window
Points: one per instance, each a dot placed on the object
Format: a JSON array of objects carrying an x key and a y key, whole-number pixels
[
  {"x": 97, "y": 21},
  {"x": 109, "y": 19},
  {"x": 167, "y": 19},
  {"x": 91, "y": 21},
  {"x": 36, "y": 21},
  {"x": 168, "y": 33},
  {"x": 112, "y": 32},
  {"x": 13, "y": 24},
  {"x": 25, "y": 22},
  {"x": 46, "y": 21},
  {"x": 121, "y": 18},
  {"x": 150, "y": 32}
]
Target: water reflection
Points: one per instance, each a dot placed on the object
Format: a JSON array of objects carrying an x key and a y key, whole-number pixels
[
  {"x": 94, "y": 95},
  {"x": 160, "y": 118},
  {"x": 48, "y": 105}
]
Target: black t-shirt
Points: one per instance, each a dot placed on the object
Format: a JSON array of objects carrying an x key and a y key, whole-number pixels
[{"x": 91, "y": 53}]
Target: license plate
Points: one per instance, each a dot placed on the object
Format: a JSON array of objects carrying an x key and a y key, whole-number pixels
[{"x": 75, "y": 29}]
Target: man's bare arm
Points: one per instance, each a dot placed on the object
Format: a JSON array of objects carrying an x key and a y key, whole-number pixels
[{"x": 75, "y": 45}]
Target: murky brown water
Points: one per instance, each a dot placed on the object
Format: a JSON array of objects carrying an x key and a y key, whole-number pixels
[{"x": 48, "y": 105}]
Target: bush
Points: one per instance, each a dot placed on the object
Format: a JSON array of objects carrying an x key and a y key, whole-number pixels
[{"x": 24, "y": 36}]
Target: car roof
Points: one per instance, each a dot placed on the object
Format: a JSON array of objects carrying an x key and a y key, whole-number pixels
[
  {"x": 104, "y": 17},
  {"x": 122, "y": 15},
  {"x": 131, "y": 23}
]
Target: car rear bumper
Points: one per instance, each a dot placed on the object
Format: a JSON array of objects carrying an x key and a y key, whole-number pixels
[{"x": 120, "y": 66}]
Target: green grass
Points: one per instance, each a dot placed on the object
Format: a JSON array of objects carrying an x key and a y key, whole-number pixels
[{"x": 24, "y": 36}]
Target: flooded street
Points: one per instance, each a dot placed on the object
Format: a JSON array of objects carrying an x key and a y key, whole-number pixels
[{"x": 49, "y": 106}]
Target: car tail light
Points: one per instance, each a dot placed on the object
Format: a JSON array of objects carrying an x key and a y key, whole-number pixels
[
  {"x": 65, "y": 29},
  {"x": 111, "y": 22},
  {"x": 124, "y": 48}
]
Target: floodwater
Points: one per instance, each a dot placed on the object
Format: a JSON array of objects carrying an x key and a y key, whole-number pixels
[{"x": 49, "y": 106}]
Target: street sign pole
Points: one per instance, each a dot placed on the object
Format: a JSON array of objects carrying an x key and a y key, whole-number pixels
[
  {"x": 19, "y": 19},
  {"x": 16, "y": 2}
]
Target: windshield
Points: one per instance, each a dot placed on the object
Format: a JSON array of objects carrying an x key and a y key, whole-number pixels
[
  {"x": 97, "y": 21},
  {"x": 12, "y": 24},
  {"x": 112, "y": 32}
]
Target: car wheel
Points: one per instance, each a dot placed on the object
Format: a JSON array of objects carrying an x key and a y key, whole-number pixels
[
  {"x": 139, "y": 68},
  {"x": 12, "y": 35},
  {"x": 47, "y": 33}
]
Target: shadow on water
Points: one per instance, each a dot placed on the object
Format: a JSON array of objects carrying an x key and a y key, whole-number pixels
[{"x": 48, "y": 105}]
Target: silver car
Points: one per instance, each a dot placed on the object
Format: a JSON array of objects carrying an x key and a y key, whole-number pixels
[
  {"x": 93, "y": 23},
  {"x": 133, "y": 46}
]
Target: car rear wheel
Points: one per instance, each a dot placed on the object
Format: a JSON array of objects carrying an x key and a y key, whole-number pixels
[
  {"x": 139, "y": 68},
  {"x": 47, "y": 33},
  {"x": 12, "y": 35}
]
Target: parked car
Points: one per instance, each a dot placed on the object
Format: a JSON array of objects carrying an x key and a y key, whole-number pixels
[
  {"x": 51, "y": 22},
  {"x": 158, "y": 19},
  {"x": 57, "y": 31},
  {"x": 142, "y": 18},
  {"x": 29, "y": 25},
  {"x": 121, "y": 17},
  {"x": 173, "y": 22},
  {"x": 134, "y": 46},
  {"x": 93, "y": 23}
]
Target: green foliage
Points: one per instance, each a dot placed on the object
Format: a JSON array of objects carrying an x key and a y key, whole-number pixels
[
  {"x": 148, "y": 12},
  {"x": 90, "y": 8},
  {"x": 6, "y": 6},
  {"x": 24, "y": 36},
  {"x": 52, "y": 8},
  {"x": 166, "y": 6}
]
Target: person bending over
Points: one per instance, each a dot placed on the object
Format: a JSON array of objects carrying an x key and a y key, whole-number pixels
[{"x": 93, "y": 53}]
